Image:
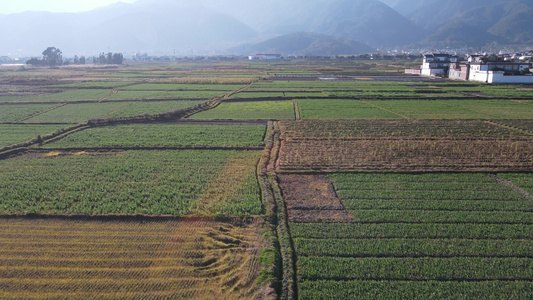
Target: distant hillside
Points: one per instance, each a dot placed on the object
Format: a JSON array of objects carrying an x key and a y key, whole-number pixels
[
  {"x": 214, "y": 26},
  {"x": 144, "y": 26},
  {"x": 458, "y": 35},
  {"x": 516, "y": 27},
  {"x": 309, "y": 44},
  {"x": 475, "y": 23},
  {"x": 367, "y": 21},
  {"x": 404, "y": 7},
  {"x": 432, "y": 14}
]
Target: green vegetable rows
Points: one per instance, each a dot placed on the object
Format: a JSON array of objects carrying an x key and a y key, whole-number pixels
[
  {"x": 134, "y": 182},
  {"x": 427, "y": 236}
]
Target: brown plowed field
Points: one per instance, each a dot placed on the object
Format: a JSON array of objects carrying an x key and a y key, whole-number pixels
[
  {"x": 408, "y": 154},
  {"x": 312, "y": 198}
]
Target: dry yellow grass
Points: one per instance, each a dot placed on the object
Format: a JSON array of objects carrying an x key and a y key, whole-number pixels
[{"x": 178, "y": 259}]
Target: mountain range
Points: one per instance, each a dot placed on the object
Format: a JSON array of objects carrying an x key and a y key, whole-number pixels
[{"x": 318, "y": 27}]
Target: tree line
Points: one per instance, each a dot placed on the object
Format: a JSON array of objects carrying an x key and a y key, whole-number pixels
[{"x": 53, "y": 57}]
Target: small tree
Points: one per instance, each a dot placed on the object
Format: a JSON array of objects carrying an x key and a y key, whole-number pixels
[{"x": 53, "y": 57}]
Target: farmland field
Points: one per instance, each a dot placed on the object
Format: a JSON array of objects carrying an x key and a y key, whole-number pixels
[
  {"x": 435, "y": 236},
  {"x": 14, "y": 113},
  {"x": 153, "y": 107},
  {"x": 133, "y": 182},
  {"x": 257, "y": 110},
  {"x": 181, "y": 87},
  {"x": 16, "y": 133},
  {"x": 303, "y": 179},
  {"x": 165, "y": 135},
  {"x": 114, "y": 259}
]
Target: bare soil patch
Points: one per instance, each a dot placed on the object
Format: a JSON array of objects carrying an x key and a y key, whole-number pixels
[{"x": 312, "y": 198}]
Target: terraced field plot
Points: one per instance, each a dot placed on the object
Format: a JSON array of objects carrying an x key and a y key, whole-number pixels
[
  {"x": 165, "y": 135},
  {"x": 179, "y": 259},
  {"x": 133, "y": 182},
  {"x": 430, "y": 236}
]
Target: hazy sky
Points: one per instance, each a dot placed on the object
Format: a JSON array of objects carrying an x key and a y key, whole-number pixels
[{"x": 16, "y": 6}]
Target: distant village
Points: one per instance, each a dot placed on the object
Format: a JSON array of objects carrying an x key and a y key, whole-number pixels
[{"x": 481, "y": 68}]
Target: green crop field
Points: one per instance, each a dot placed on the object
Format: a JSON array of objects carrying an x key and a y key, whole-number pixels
[
  {"x": 257, "y": 110},
  {"x": 165, "y": 135},
  {"x": 68, "y": 96},
  {"x": 181, "y": 87},
  {"x": 79, "y": 113},
  {"x": 442, "y": 236},
  {"x": 135, "y": 182},
  {"x": 13, "y": 113},
  {"x": 153, "y": 107},
  {"x": 344, "y": 129},
  {"x": 341, "y": 109},
  {"x": 274, "y": 95},
  {"x": 300, "y": 179},
  {"x": 93, "y": 84},
  {"x": 16, "y": 133},
  {"x": 457, "y": 109},
  {"x": 144, "y": 95}
]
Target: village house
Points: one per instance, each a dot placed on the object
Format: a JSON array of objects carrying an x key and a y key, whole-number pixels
[
  {"x": 480, "y": 68},
  {"x": 437, "y": 64},
  {"x": 265, "y": 57},
  {"x": 459, "y": 70},
  {"x": 499, "y": 69}
]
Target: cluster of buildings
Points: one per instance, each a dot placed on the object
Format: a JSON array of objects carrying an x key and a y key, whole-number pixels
[
  {"x": 480, "y": 68},
  {"x": 265, "y": 57}
]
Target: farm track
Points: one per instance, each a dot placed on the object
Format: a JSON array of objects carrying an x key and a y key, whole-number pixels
[{"x": 275, "y": 206}]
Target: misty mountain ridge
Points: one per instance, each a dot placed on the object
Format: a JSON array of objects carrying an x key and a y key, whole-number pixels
[
  {"x": 306, "y": 43},
  {"x": 320, "y": 26}
]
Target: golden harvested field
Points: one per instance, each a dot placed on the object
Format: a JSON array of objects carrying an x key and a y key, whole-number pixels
[{"x": 125, "y": 259}]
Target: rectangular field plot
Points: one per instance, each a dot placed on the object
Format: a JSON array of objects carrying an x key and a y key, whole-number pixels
[
  {"x": 457, "y": 109},
  {"x": 181, "y": 87},
  {"x": 16, "y": 133},
  {"x": 274, "y": 95},
  {"x": 260, "y": 110},
  {"x": 13, "y": 113},
  {"x": 188, "y": 182},
  {"x": 346, "y": 129},
  {"x": 94, "y": 84},
  {"x": 68, "y": 96},
  {"x": 434, "y": 236},
  {"x": 79, "y": 113},
  {"x": 146, "y": 95},
  {"x": 408, "y": 154},
  {"x": 153, "y": 107},
  {"x": 165, "y": 135},
  {"x": 130, "y": 259},
  {"x": 341, "y": 109}
]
